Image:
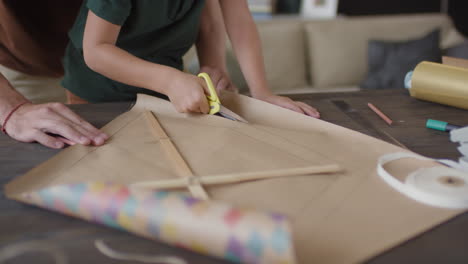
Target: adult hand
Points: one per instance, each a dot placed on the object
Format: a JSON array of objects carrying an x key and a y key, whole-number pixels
[
  {"x": 220, "y": 79},
  {"x": 188, "y": 93},
  {"x": 295, "y": 106},
  {"x": 34, "y": 123}
]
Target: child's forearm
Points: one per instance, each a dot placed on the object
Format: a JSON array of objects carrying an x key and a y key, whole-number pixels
[
  {"x": 103, "y": 56},
  {"x": 121, "y": 66},
  {"x": 211, "y": 38},
  {"x": 245, "y": 40}
]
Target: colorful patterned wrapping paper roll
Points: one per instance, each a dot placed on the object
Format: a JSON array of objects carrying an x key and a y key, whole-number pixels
[{"x": 207, "y": 227}]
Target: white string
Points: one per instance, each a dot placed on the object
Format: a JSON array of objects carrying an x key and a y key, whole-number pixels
[
  {"x": 111, "y": 253},
  {"x": 18, "y": 249}
]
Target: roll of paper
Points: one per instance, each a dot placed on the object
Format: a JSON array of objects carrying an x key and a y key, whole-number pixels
[
  {"x": 437, "y": 186},
  {"x": 440, "y": 83},
  {"x": 207, "y": 227}
]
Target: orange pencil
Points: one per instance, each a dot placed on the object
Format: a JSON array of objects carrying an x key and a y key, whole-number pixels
[{"x": 380, "y": 114}]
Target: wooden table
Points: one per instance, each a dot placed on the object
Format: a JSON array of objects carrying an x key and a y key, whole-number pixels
[{"x": 447, "y": 243}]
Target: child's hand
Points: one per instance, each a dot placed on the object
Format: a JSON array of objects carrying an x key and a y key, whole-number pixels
[
  {"x": 295, "y": 106},
  {"x": 187, "y": 94},
  {"x": 220, "y": 79}
]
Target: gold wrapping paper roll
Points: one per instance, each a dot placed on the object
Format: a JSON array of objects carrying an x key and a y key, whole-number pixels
[{"x": 440, "y": 83}]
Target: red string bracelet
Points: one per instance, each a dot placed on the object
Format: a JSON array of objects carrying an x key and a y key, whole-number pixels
[{"x": 9, "y": 115}]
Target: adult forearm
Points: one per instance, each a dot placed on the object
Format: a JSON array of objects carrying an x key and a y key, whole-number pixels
[
  {"x": 119, "y": 65},
  {"x": 9, "y": 98},
  {"x": 30, "y": 122}
]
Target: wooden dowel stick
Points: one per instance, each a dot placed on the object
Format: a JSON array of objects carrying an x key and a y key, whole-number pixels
[
  {"x": 174, "y": 155},
  {"x": 239, "y": 177}
]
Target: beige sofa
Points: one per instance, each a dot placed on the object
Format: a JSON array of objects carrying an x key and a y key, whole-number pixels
[{"x": 306, "y": 56}]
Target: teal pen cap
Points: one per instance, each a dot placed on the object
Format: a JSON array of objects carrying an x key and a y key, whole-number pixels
[{"x": 440, "y": 125}]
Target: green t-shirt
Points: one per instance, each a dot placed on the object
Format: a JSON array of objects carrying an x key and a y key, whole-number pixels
[{"x": 160, "y": 31}]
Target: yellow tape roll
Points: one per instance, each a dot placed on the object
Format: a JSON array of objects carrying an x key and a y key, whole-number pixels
[{"x": 440, "y": 83}]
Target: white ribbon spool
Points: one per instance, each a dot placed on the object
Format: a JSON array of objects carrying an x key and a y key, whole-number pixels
[
  {"x": 463, "y": 161},
  {"x": 437, "y": 186}
]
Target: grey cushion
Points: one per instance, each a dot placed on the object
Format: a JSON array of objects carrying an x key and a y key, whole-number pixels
[
  {"x": 390, "y": 61},
  {"x": 458, "y": 51}
]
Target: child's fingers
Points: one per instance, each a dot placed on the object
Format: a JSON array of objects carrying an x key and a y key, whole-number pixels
[
  {"x": 199, "y": 102},
  {"x": 232, "y": 88},
  {"x": 204, "y": 107},
  {"x": 215, "y": 75},
  {"x": 308, "y": 110},
  {"x": 204, "y": 86},
  {"x": 292, "y": 106},
  {"x": 223, "y": 84}
]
